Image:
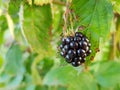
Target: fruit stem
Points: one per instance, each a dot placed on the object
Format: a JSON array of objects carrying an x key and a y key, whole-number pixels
[
  {"x": 71, "y": 22},
  {"x": 65, "y": 17}
]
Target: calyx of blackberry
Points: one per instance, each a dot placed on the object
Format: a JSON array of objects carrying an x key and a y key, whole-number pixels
[{"x": 75, "y": 48}]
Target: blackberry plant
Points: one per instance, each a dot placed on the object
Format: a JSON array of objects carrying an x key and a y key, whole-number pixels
[{"x": 29, "y": 35}]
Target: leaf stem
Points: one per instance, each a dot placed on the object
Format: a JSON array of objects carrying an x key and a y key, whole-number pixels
[{"x": 21, "y": 18}]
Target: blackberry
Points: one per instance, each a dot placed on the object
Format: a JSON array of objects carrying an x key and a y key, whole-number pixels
[
  {"x": 77, "y": 39},
  {"x": 61, "y": 46},
  {"x": 63, "y": 50},
  {"x": 88, "y": 52},
  {"x": 66, "y": 47},
  {"x": 78, "y": 34},
  {"x": 75, "y": 49},
  {"x": 86, "y": 48},
  {"x": 83, "y": 60},
  {"x": 81, "y": 53},
  {"x": 63, "y": 40},
  {"x": 89, "y": 44},
  {"x": 68, "y": 58},
  {"x": 62, "y": 54},
  {"x": 76, "y": 61},
  {"x": 72, "y": 53},
  {"x": 75, "y": 64},
  {"x": 73, "y": 45},
  {"x": 68, "y": 40},
  {"x": 71, "y": 38},
  {"x": 83, "y": 44}
]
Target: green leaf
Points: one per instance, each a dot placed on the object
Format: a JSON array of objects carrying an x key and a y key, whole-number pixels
[
  {"x": 97, "y": 19},
  {"x": 1, "y": 61},
  {"x": 29, "y": 87},
  {"x": 68, "y": 76},
  {"x": 13, "y": 10},
  {"x": 84, "y": 81},
  {"x": 3, "y": 27},
  {"x": 27, "y": 83},
  {"x": 13, "y": 62},
  {"x": 57, "y": 21},
  {"x": 9, "y": 81},
  {"x": 116, "y": 5},
  {"x": 37, "y": 23},
  {"x": 4, "y": 78},
  {"x": 4, "y": 4},
  {"x": 29, "y": 61},
  {"x": 108, "y": 73},
  {"x": 45, "y": 65},
  {"x": 105, "y": 50},
  {"x": 41, "y": 88},
  {"x": 60, "y": 76},
  {"x": 15, "y": 81},
  {"x": 50, "y": 88}
]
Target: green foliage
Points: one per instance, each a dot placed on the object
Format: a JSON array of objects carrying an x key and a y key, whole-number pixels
[
  {"x": 3, "y": 28},
  {"x": 37, "y": 23},
  {"x": 116, "y": 5},
  {"x": 1, "y": 61},
  {"x": 14, "y": 12},
  {"x": 13, "y": 63},
  {"x": 70, "y": 75},
  {"x": 97, "y": 19},
  {"x": 108, "y": 74},
  {"x": 29, "y": 35}
]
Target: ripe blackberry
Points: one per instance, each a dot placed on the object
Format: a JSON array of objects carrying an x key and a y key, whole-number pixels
[
  {"x": 88, "y": 52},
  {"x": 77, "y": 39},
  {"x": 71, "y": 53},
  {"x": 62, "y": 54},
  {"x": 76, "y": 61},
  {"x": 83, "y": 60},
  {"x": 68, "y": 40},
  {"x": 66, "y": 47},
  {"x": 78, "y": 34},
  {"x": 68, "y": 58},
  {"x": 75, "y": 49},
  {"x": 75, "y": 64},
  {"x": 61, "y": 46},
  {"x": 81, "y": 53},
  {"x": 73, "y": 45},
  {"x": 83, "y": 44},
  {"x": 63, "y": 40}
]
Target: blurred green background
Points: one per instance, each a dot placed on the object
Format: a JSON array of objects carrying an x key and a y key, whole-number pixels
[{"x": 30, "y": 32}]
